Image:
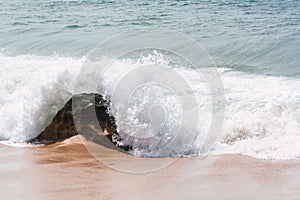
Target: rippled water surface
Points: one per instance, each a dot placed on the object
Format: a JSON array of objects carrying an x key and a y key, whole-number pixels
[
  {"x": 253, "y": 35},
  {"x": 254, "y": 43}
]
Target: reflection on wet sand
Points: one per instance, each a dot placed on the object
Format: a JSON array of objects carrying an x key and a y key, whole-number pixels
[{"x": 66, "y": 170}]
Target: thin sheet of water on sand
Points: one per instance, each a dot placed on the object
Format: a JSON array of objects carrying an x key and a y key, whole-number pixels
[{"x": 67, "y": 171}]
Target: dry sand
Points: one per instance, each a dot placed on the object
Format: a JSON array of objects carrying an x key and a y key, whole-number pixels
[{"x": 68, "y": 171}]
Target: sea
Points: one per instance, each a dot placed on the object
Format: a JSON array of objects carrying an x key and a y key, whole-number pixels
[{"x": 254, "y": 46}]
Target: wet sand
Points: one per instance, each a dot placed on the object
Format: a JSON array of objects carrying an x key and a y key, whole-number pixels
[{"x": 68, "y": 171}]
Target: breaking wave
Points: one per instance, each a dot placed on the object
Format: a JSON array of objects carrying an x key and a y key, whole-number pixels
[{"x": 262, "y": 113}]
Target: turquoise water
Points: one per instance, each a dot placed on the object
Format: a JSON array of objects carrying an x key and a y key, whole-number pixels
[
  {"x": 255, "y": 45},
  {"x": 253, "y": 35}
]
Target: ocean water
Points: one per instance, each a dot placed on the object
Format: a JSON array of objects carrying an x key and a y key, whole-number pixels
[{"x": 254, "y": 44}]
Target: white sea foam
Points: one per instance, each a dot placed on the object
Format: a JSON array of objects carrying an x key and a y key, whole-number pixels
[
  {"x": 262, "y": 117},
  {"x": 32, "y": 90}
]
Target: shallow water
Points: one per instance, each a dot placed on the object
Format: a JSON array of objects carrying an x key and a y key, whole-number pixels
[
  {"x": 75, "y": 174},
  {"x": 255, "y": 45},
  {"x": 249, "y": 35}
]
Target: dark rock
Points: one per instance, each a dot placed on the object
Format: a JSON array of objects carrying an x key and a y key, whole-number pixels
[{"x": 88, "y": 111}]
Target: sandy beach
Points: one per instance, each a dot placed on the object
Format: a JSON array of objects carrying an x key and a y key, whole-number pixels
[
  {"x": 68, "y": 171},
  {"x": 155, "y": 85}
]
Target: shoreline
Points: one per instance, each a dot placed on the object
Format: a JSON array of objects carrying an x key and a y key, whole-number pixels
[{"x": 66, "y": 170}]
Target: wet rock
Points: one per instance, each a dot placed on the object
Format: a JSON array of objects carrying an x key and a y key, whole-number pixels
[{"x": 87, "y": 110}]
